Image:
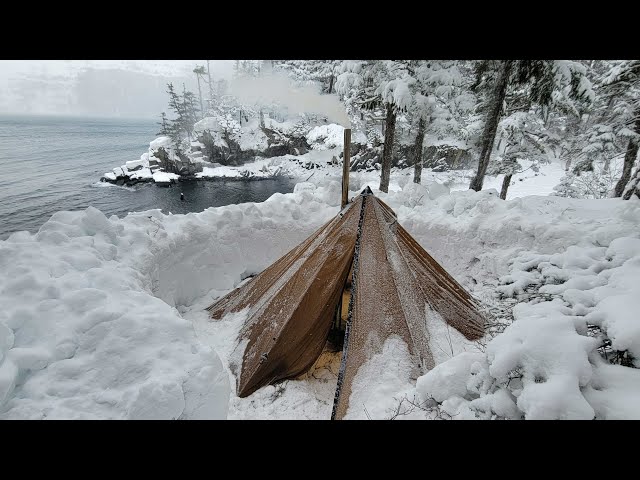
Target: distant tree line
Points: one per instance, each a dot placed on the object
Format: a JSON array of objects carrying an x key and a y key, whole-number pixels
[{"x": 584, "y": 113}]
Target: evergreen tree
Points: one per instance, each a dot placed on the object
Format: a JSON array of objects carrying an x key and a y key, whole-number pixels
[
  {"x": 521, "y": 140},
  {"x": 164, "y": 125},
  {"x": 200, "y": 73},
  {"x": 374, "y": 84},
  {"x": 186, "y": 113},
  {"x": 622, "y": 87},
  {"x": 522, "y": 85}
]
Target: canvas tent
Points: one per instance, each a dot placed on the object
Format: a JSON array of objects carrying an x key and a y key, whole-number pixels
[{"x": 394, "y": 285}]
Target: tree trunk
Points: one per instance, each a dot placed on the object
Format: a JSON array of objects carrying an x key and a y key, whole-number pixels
[
  {"x": 633, "y": 187},
  {"x": 387, "y": 151},
  {"x": 629, "y": 160},
  {"x": 200, "y": 93},
  {"x": 457, "y": 159},
  {"x": 417, "y": 152},
  {"x": 567, "y": 165},
  {"x": 330, "y": 84},
  {"x": 210, "y": 84},
  {"x": 491, "y": 125},
  {"x": 505, "y": 186}
]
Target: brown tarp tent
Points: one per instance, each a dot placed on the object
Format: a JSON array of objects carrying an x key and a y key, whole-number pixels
[{"x": 395, "y": 285}]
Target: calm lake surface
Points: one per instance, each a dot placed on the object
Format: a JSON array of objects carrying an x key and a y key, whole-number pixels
[{"x": 51, "y": 163}]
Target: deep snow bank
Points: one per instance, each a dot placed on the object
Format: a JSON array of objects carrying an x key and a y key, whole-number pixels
[
  {"x": 82, "y": 335},
  {"x": 88, "y": 327}
]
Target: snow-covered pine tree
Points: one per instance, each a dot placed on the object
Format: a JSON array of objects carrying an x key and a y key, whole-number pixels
[
  {"x": 521, "y": 85},
  {"x": 498, "y": 92},
  {"x": 395, "y": 96},
  {"x": 520, "y": 138},
  {"x": 373, "y": 84},
  {"x": 566, "y": 187},
  {"x": 597, "y": 135},
  {"x": 164, "y": 125},
  {"x": 622, "y": 87},
  {"x": 436, "y": 95}
]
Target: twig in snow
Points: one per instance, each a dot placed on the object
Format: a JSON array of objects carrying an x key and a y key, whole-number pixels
[
  {"x": 428, "y": 406},
  {"x": 365, "y": 412}
]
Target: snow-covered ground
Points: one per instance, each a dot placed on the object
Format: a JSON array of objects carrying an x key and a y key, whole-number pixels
[
  {"x": 317, "y": 166},
  {"x": 104, "y": 317},
  {"x": 259, "y": 169}
]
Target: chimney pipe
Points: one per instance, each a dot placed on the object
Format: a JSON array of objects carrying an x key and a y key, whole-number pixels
[{"x": 346, "y": 163}]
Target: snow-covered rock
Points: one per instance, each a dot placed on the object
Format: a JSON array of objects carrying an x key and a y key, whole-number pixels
[
  {"x": 164, "y": 177},
  {"x": 323, "y": 137}
]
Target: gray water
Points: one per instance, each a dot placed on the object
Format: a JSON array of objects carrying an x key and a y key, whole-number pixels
[{"x": 49, "y": 164}]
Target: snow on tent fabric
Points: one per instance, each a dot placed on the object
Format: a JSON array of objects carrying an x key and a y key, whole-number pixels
[{"x": 395, "y": 286}]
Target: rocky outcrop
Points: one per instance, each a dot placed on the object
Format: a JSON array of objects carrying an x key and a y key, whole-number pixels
[
  {"x": 446, "y": 157},
  {"x": 182, "y": 165},
  {"x": 229, "y": 152}
]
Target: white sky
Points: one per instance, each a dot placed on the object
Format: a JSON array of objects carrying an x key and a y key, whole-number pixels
[{"x": 111, "y": 88}]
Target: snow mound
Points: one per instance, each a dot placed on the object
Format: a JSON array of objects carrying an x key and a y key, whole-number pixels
[
  {"x": 82, "y": 335},
  {"x": 160, "y": 142},
  {"x": 324, "y": 137},
  {"x": 164, "y": 177},
  {"x": 253, "y": 138},
  {"x": 132, "y": 164}
]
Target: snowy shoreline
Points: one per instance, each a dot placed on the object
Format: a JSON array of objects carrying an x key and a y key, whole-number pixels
[{"x": 163, "y": 165}]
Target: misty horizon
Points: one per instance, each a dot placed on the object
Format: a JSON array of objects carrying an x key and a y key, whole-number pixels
[{"x": 95, "y": 89}]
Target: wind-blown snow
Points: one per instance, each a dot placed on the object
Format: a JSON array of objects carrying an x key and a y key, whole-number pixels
[{"x": 280, "y": 89}]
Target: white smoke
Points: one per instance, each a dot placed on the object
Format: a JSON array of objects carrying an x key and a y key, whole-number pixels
[{"x": 278, "y": 88}]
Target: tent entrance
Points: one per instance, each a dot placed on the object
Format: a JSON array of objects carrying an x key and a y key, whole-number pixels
[{"x": 335, "y": 340}]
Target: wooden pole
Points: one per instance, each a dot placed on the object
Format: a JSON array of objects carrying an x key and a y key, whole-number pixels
[{"x": 346, "y": 161}]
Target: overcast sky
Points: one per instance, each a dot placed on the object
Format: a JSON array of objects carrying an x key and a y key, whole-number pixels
[{"x": 105, "y": 88}]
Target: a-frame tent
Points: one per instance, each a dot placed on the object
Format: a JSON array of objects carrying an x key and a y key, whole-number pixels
[{"x": 395, "y": 286}]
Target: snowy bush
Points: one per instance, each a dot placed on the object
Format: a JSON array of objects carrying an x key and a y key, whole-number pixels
[
  {"x": 570, "y": 351},
  {"x": 597, "y": 182}
]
